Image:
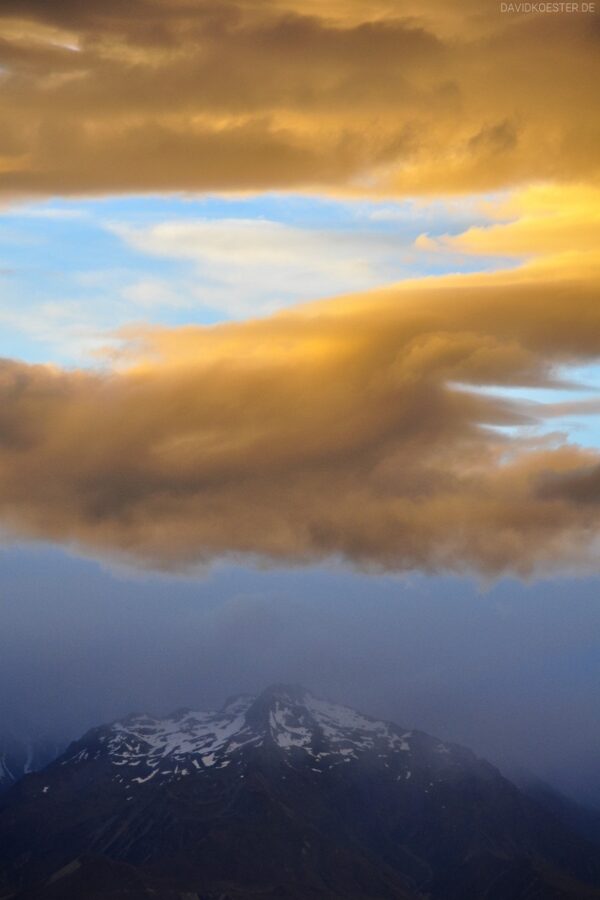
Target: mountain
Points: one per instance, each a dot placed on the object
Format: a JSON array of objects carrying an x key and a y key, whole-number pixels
[
  {"x": 283, "y": 795},
  {"x": 584, "y": 820},
  {"x": 21, "y": 755}
]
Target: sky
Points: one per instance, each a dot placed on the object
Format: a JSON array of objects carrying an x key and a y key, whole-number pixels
[{"x": 300, "y": 364}]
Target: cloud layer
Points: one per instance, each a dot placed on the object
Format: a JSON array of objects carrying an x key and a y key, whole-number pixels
[
  {"x": 158, "y": 95},
  {"x": 354, "y": 427},
  {"x": 345, "y": 428}
]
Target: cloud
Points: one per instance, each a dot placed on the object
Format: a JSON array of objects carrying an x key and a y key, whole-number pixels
[
  {"x": 392, "y": 98},
  {"x": 177, "y": 260},
  {"x": 540, "y": 221},
  {"x": 256, "y": 266},
  {"x": 342, "y": 428},
  {"x": 580, "y": 486}
]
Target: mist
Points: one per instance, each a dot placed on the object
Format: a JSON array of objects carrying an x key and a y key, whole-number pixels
[{"x": 510, "y": 669}]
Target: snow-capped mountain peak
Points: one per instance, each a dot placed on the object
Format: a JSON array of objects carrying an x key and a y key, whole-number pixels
[
  {"x": 346, "y": 804},
  {"x": 284, "y": 719}
]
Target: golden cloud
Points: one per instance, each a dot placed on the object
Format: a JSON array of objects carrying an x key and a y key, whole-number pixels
[
  {"x": 543, "y": 220},
  {"x": 391, "y": 97},
  {"x": 346, "y": 428}
]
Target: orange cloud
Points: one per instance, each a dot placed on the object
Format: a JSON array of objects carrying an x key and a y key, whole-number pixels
[
  {"x": 543, "y": 220},
  {"x": 384, "y": 97},
  {"x": 344, "y": 428}
]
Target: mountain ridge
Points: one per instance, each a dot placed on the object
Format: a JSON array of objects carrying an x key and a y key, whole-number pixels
[{"x": 282, "y": 794}]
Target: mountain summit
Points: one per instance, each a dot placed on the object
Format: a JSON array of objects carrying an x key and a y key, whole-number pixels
[
  {"x": 284, "y": 719},
  {"x": 280, "y": 795}
]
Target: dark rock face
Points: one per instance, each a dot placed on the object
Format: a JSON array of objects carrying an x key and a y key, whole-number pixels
[
  {"x": 19, "y": 756},
  {"x": 281, "y": 796}
]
